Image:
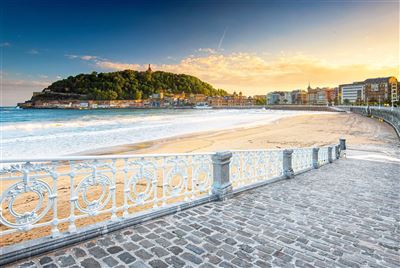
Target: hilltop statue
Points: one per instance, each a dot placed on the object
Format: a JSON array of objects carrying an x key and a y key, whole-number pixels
[{"x": 149, "y": 70}]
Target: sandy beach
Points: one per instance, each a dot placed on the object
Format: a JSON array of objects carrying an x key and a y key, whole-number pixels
[{"x": 289, "y": 132}]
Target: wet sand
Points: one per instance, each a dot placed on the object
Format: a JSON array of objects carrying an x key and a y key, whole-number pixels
[{"x": 290, "y": 132}]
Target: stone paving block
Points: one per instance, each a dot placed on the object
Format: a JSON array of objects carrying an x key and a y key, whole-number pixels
[
  {"x": 98, "y": 252},
  {"x": 159, "y": 252},
  {"x": 130, "y": 246},
  {"x": 138, "y": 264},
  {"x": 114, "y": 249},
  {"x": 175, "y": 261},
  {"x": 90, "y": 263},
  {"x": 65, "y": 261},
  {"x": 79, "y": 252},
  {"x": 143, "y": 254},
  {"x": 45, "y": 260},
  {"x": 190, "y": 257},
  {"x": 110, "y": 261},
  {"x": 158, "y": 264},
  {"x": 175, "y": 250},
  {"x": 126, "y": 258},
  {"x": 194, "y": 249}
]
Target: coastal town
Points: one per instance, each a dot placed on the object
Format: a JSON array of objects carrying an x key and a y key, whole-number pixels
[{"x": 372, "y": 91}]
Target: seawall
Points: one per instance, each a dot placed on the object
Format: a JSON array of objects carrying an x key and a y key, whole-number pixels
[{"x": 391, "y": 116}]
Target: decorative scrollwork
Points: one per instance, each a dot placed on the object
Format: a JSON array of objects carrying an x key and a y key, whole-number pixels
[
  {"x": 176, "y": 177},
  {"x": 261, "y": 164},
  {"x": 94, "y": 164},
  {"x": 23, "y": 221},
  {"x": 274, "y": 160},
  {"x": 202, "y": 172},
  {"x": 93, "y": 206},
  {"x": 147, "y": 172},
  {"x": 301, "y": 159},
  {"x": 26, "y": 168},
  {"x": 235, "y": 167},
  {"x": 248, "y": 165}
]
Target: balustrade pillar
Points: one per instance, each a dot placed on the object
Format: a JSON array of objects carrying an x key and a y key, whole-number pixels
[
  {"x": 337, "y": 151},
  {"x": 287, "y": 164},
  {"x": 330, "y": 159},
  {"x": 315, "y": 157},
  {"x": 222, "y": 186},
  {"x": 342, "y": 143}
]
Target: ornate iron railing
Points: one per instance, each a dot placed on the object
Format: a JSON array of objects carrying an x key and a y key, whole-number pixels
[
  {"x": 302, "y": 159},
  {"x": 248, "y": 167},
  {"x": 61, "y": 192},
  {"x": 60, "y": 195},
  {"x": 323, "y": 156}
]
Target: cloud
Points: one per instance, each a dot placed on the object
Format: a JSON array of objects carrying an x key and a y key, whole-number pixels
[
  {"x": 118, "y": 66},
  {"x": 70, "y": 56},
  {"x": 207, "y": 50},
  {"x": 33, "y": 51},
  {"x": 82, "y": 57},
  {"x": 88, "y": 57},
  {"x": 5, "y": 44},
  {"x": 254, "y": 73},
  {"x": 43, "y": 76}
]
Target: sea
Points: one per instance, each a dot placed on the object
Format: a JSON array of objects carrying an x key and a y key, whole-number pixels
[{"x": 36, "y": 133}]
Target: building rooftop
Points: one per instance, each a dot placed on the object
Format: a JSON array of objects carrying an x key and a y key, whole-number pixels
[{"x": 377, "y": 80}]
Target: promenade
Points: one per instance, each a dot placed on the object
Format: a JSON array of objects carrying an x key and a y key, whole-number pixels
[{"x": 341, "y": 215}]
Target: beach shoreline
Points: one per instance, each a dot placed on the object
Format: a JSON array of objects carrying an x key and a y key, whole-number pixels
[
  {"x": 64, "y": 133},
  {"x": 265, "y": 136}
]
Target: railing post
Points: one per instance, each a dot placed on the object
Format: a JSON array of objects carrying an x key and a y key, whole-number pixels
[
  {"x": 337, "y": 151},
  {"x": 330, "y": 159},
  {"x": 342, "y": 143},
  {"x": 222, "y": 186},
  {"x": 287, "y": 164},
  {"x": 315, "y": 157}
]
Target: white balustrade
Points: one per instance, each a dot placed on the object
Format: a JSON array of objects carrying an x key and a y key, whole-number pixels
[
  {"x": 49, "y": 193},
  {"x": 302, "y": 159},
  {"x": 323, "y": 157},
  {"x": 64, "y": 193},
  {"x": 249, "y": 167}
]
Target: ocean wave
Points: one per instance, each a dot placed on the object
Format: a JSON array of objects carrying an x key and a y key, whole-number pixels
[{"x": 89, "y": 132}]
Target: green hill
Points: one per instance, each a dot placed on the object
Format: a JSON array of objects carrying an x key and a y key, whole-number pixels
[{"x": 125, "y": 85}]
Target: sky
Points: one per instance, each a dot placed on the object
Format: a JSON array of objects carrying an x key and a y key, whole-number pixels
[{"x": 249, "y": 46}]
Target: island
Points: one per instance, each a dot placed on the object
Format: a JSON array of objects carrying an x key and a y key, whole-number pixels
[{"x": 134, "y": 89}]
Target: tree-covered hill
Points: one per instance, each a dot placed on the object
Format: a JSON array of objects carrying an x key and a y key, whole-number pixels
[{"x": 127, "y": 84}]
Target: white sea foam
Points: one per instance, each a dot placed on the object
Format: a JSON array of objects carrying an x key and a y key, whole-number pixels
[{"x": 56, "y": 137}]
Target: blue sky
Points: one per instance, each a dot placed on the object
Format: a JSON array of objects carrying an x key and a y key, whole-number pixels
[{"x": 244, "y": 45}]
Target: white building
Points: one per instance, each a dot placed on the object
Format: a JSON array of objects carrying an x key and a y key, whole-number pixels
[
  {"x": 273, "y": 97},
  {"x": 287, "y": 98},
  {"x": 353, "y": 92}
]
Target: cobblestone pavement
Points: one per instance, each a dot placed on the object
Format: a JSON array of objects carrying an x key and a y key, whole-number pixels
[{"x": 342, "y": 215}]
